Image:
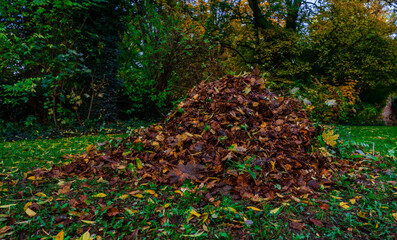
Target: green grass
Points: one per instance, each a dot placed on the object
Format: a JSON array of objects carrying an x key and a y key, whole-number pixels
[
  {"x": 25, "y": 155},
  {"x": 165, "y": 212}
]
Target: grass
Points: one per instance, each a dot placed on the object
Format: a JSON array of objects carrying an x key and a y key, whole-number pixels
[{"x": 361, "y": 205}]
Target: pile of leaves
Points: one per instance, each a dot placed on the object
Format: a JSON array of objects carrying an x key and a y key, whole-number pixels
[{"x": 232, "y": 136}]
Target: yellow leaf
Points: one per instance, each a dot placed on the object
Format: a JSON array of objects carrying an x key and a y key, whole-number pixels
[
  {"x": 8, "y": 205},
  {"x": 139, "y": 163},
  {"x": 353, "y": 201},
  {"x": 193, "y": 212},
  {"x": 167, "y": 205},
  {"x": 362, "y": 214},
  {"x": 34, "y": 178},
  {"x": 130, "y": 211},
  {"x": 344, "y": 205},
  {"x": 254, "y": 208},
  {"x": 40, "y": 194},
  {"x": 60, "y": 235},
  {"x": 88, "y": 222},
  {"x": 85, "y": 236},
  {"x": 231, "y": 209},
  {"x": 330, "y": 138},
  {"x": 179, "y": 192},
  {"x": 336, "y": 197},
  {"x": 274, "y": 211},
  {"x": 30, "y": 212},
  {"x": 27, "y": 205},
  {"x": 90, "y": 149},
  {"x": 273, "y": 166},
  {"x": 101, "y": 180},
  {"x": 151, "y": 192},
  {"x": 394, "y": 215},
  {"x": 247, "y": 90},
  {"x": 138, "y": 195},
  {"x": 124, "y": 196},
  {"x": 100, "y": 195}
]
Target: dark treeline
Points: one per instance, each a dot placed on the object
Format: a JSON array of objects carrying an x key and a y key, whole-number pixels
[{"x": 72, "y": 62}]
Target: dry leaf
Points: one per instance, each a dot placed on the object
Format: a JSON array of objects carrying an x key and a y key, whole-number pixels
[
  {"x": 330, "y": 138},
  {"x": 124, "y": 196},
  {"x": 60, "y": 235},
  {"x": 88, "y": 222},
  {"x": 296, "y": 225},
  {"x": 274, "y": 211},
  {"x": 344, "y": 205},
  {"x": 5, "y": 229},
  {"x": 254, "y": 208},
  {"x": 30, "y": 212},
  {"x": 100, "y": 195},
  {"x": 40, "y": 194},
  {"x": 394, "y": 215}
]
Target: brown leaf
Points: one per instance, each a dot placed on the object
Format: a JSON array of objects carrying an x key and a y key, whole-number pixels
[
  {"x": 112, "y": 211},
  {"x": 316, "y": 222},
  {"x": 296, "y": 225},
  {"x": 5, "y": 229},
  {"x": 182, "y": 172},
  {"x": 324, "y": 207}
]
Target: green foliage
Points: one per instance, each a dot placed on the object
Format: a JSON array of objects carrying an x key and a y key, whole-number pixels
[
  {"x": 337, "y": 104},
  {"x": 353, "y": 40},
  {"x": 163, "y": 55},
  {"x": 45, "y": 68}
]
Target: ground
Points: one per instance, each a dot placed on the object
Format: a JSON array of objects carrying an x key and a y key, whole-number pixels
[{"x": 362, "y": 203}]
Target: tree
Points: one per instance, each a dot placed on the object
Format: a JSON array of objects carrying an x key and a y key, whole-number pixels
[
  {"x": 354, "y": 40},
  {"x": 53, "y": 53}
]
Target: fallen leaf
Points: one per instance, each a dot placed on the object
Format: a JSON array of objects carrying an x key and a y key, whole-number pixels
[
  {"x": 167, "y": 205},
  {"x": 324, "y": 207},
  {"x": 195, "y": 213},
  {"x": 296, "y": 225},
  {"x": 344, "y": 205},
  {"x": 138, "y": 195},
  {"x": 88, "y": 222},
  {"x": 394, "y": 215},
  {"x": 131, "y": 211},
  {"x": 100, "y": 195},
  {"x": 124, "y": 196},
  {"x": 40, "y": 194},
  {"x": 60, "y": 235},
  {"x": 254, "y": 208},
  {"x": 151, "y": 192},
  {"x": 316, "y": 222},
  {"x": 231, "y": 209},
  {"x": 30, "y": 212},
  {"x": 34, "y": 178},
  {"x": 139, "y": 163},
  {"x": 179, "y": 192},
  {"x": 85, "y": 236},
  {"x": 274, "y": 211},
  {"x": 27, "y": 205},
  {"x": 7, "y": 206},
  {"x": 5, "y": 229},
  {"x": 183, "y": 172},
  {"x": 352, "y": 201},
  {"x": 330, "y": 138}
]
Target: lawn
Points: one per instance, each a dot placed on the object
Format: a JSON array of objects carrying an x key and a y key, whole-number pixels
[{"x": 362, "y": 204}]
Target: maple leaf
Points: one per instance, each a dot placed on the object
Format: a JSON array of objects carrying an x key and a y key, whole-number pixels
[
  {"x": 182, "y": 172},
  {"x": 329, "y": 137}
]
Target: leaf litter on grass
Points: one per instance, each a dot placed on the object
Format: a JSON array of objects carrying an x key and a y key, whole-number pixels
[{"x": 233, "y": 136}]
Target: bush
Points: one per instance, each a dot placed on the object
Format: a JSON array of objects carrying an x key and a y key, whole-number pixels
[{"x": 337, "y": 104}]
